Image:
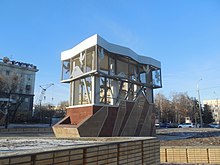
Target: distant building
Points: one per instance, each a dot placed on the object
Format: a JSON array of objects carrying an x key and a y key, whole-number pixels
[
  {"x": 111, "y": 90},
  {"x": 188, "y": 120},
  {"x": 215, "y": 105},
  {"x": 23, "y": 95}
]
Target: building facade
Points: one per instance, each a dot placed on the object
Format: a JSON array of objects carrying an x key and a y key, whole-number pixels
[
  {"x": 215, "y": 106},
  {"x": 17, "y": 89},
  {"x": 111, "y": 90}
]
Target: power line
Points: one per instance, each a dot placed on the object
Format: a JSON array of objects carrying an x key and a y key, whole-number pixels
[
  {"x": 218, "y": 86},
  {"x": 207, "y": 88}
]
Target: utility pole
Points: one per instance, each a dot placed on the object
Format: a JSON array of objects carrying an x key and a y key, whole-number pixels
[
  {"x": 200, "y": 109},
  {"x": 217, "y": 109}
]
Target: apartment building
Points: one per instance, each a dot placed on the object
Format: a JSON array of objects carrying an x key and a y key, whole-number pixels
[
  {"x": 215, "y": 105},
  {"x": 17, "y": 88}
]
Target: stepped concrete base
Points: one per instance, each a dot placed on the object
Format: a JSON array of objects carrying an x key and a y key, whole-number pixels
[{"x": 128, "y": 119}]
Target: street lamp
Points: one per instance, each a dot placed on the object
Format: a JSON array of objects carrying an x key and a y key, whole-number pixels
[
  {"x": 200, "y": 110},
  {"x": 217, "y": 109}
]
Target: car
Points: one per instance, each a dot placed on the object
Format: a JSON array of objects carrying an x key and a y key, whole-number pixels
[
  {"x": 213, "y": 125},
  {"x": 161, "y": 125},
  {"x": 172, "y": 125},
  {"x": 185, "y": 125},
  {"x": 157, "y": 125}
]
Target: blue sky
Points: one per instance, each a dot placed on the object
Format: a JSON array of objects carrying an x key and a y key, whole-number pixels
[{"x": 184, "y": 35}]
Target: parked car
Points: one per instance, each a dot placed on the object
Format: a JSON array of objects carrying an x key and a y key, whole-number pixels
[
  {"x": 213, "y": 125},
  {"x": 185, "y": 125},
  {"x": 157, "y": 125},
  {"x": 172, "y": 125},
  {"x": 166, "y": 125},
  {"x": 163, "y": 125}
]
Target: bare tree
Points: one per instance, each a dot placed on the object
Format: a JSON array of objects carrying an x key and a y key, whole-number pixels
[
  {"x": 183, "y": 106},
  {"x": 63, "y": 105},
  {"x": 176, "y": 109},
  {"x": 163, "y": 107},
  {"x": 9, "y": 85}
]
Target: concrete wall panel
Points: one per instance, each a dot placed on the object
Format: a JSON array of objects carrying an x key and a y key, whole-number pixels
[
  {"x": 94, "y": 124},
  {"x": 108, "y": 126},
  {"x": 147, "y": 126},
  {"x": 120, "y": 115}
]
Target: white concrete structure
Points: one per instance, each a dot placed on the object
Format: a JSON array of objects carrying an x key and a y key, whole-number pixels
[
  {"x": 97, "y": 40},
  {"x": 95, "y": 61},
  {"x": 24, "y": 91},
  {"x": 111, "y": 91}
]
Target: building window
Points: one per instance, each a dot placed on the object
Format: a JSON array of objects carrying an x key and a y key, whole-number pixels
[
  {"x": 103, "y": 61},
  {"x": 133, "y": 72},
  {"x": 82, "y": 91},
  {"x": 156, "y": 77},
  {"x": 122, "y": 68},
  {"x": 145, "y": 74},
  {"x": 26, "y": 100},
  {"x": 7, "y": 72},
  {"x": 108, "y": 90},
  {"x": 66, "y": 70},
  {"x": 80, "y": 64},
  {"x": 143, "y": 77},
  {"x": 29, "y": 77},
  {"x": 112, "y": 66},
  {"x": 77, "y": 68},
  {"x": 130, "y": 95},
  {"x": 28, "y": 89},
  {"x": 124, "y": 91},
  {"x": 90, "y": 56}
]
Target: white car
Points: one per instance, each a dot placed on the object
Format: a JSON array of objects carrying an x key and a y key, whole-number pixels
[
  {"x": 157, "y": 125},
  {"x": 185, "y": 125}
]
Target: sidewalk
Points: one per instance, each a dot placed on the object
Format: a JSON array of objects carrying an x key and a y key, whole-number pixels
[
  {"x": 27, "y": 126},
  {"x": 26, "y": 130}
]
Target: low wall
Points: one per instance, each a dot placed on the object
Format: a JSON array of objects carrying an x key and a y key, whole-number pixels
[
  {"x": 190, "y": 154},
  {"x": 131, "y": 151}
]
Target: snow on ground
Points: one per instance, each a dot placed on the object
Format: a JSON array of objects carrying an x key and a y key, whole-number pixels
[
  {"x": 184, "y": 133},
  {"x": 25, "y": 145},
  {"x": 189, "y": 137},
  {"x": 26, "y": 142},
  {"x": 14, "y": 145}
]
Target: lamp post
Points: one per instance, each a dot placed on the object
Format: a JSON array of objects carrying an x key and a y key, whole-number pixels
[
  {"x": 200, "y": 110},
  {"x": 217, "y": 109}
]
